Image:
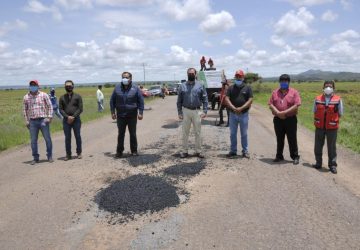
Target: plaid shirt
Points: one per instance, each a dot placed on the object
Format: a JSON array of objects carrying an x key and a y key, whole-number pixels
[{"x": 38, "y": 106}]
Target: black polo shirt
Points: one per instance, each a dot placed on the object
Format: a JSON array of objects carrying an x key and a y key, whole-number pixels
[{"x": 239, "y": 95}]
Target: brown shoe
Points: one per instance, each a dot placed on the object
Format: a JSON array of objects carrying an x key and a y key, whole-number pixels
[{"x": 79, "y": 156}]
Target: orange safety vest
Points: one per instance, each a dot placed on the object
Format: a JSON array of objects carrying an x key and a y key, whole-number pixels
[{"x": 327, "y": 116}]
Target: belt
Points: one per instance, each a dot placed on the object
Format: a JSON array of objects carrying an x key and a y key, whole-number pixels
[
  {"x": 192, "y": 108},
  {"x": 37, "y": 118}
]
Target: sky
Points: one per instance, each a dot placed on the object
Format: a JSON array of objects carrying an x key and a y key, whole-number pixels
[{"x": 94, "y": 41}]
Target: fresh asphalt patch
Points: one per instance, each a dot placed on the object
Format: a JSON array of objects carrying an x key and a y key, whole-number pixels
[
  {"x": 185, "y": 169},
  {"x": 137, "y": 194}
]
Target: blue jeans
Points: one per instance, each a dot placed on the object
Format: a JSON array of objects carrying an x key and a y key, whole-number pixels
[
  {"x": 57, "y": 113},
  {"x": 100, "y": 106},
  {"x": 35, "y": 126},
  {"x": 235, "y": 121},
  {"x": 76, "y": 126}
]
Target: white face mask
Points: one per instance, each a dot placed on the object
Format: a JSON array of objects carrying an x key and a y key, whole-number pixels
[
  {"x": 125, "y": 81},
  {"x": 328, "y": 91}
]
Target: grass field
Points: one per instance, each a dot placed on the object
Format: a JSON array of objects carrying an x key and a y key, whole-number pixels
[
  {"x": 12, "y": 125},
  {"x": 349, "y": 132}
]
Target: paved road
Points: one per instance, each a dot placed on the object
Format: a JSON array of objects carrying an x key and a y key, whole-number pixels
[{"x": 231, "y": 204}]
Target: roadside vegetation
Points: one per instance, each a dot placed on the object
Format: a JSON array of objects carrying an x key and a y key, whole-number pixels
[
  {"x": 12, "y": 125},
  {"x": 349, "y": 132}
]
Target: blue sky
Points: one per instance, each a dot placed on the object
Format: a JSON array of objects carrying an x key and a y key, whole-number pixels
[{"x": 96, "y": 40}]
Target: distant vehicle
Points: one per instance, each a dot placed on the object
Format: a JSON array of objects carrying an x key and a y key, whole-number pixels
[
  {"x": 173, "y": 89},
  {"x": 145, "y": 93},
  {"x": 155, "y": 90}
]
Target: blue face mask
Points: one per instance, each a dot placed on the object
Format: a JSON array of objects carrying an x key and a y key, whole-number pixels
[
  {"x": 238, "y": 82},
  {"x": 125, "y": 81},
  {"x": 34, "y": 88},
  {"x": 284, "y": 85}
]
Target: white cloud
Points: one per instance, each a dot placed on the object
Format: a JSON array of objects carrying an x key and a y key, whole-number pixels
[
  {"x": 277, "y": 41},
  {"x": 85, "y": 54},
  {"x": 126, "y": 20},
  {"x": 225, "y": 42},
  {"x": 124, "y": 44},
  {"x": 345, "y": 52},
  {"x": 207, "y": 44},
  {"x": 295, "y": 23},
  {"x": 179, "y": 56},
  {"x": 186, "y": 9},
  {"x": 35, "y": 6},
  {"x": 3, "y": 46},
  {"x": 74, "y": 4},
  {"x": 243, "y": 54},
  {"x": 123, "y": 2},
  {"x": 8, "y": 27},
  {"x": 308, "y": 2},
  {"x": 219, "y": 22},
  {"x": 346, "y": 35},
  {"x": 345, "y": 4},
  {"x": 329, "y": 16}
]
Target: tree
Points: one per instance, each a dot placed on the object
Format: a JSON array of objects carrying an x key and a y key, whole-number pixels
[{"x": 252, "y": 77}]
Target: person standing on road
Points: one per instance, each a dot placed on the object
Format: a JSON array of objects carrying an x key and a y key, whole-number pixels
[
  {"x": 54, "y": 103},
  {"x": 71, "y": 106},
  {"x": 38, "y": 112},
  {"x": 100, "y": 99},
  {"x": 190, "y": 98},
  {"x": 239, "y": 98},
  {"x": 284, "y": 103},
  {"x": 328, "y": 108},
  {"x": 224, "y": 88},
  {"x": 128, "y": 102}
]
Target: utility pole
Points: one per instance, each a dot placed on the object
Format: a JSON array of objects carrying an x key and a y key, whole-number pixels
[{"x": 144, "y": 71}]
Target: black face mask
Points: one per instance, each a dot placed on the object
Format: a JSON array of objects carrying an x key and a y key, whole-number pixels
[
  {"x": 69, "y": 89},
  {"x": 191, "y": 77}
]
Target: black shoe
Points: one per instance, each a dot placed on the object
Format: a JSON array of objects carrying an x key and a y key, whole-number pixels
[
  {"x": 33, "y": 162},
  {"x": 200, "y": 155},
  {"x": 220, "y": 123},
  {"x": 317, "y": 166},
  {"x": 118, "y": 155},
  {"x": 135, "y": 153},
  {"x": 246, "y": 155},
  {"x": 231, "y": 154},
  {"x": 278, "y": 159},
  {"x": 184, "y": 155},
  {"x": 68, "y": 157},
  {"x": 333, "y": 169},
  {"x": 296, "y": 161}
]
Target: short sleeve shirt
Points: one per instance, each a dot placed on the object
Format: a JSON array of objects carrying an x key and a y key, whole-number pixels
[{"x": 283, "y": 101}]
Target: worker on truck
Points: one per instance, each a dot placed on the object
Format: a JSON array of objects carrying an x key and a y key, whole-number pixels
[{"x": 202, "y": 63}]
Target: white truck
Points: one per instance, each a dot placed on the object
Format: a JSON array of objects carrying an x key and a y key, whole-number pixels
[{"x": 211, "y": 79}]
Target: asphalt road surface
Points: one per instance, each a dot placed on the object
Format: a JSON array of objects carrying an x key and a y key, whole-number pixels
[{"x": 223, "y": 203}]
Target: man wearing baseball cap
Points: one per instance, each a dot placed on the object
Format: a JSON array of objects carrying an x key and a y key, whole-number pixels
[
  {"x": 239, "y": 99},
  {"x": 38, "y": 112}
]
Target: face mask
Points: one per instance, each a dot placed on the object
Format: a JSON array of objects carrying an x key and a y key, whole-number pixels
[
  {"x": 34, "y": 88},
  {"x": 125, "y": 81},
  {"x": 328, "y": 91},
  {"x": 284, "y": 85},
  {"x": 191, "y": 77},
  {"x": 69, "y": 88},
  {"x": 238, "y": 82}
]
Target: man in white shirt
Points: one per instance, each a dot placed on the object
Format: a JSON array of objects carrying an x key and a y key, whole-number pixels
[{"x": 100, "y": 99}]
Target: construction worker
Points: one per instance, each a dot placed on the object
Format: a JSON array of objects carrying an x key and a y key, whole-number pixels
[
  {"x": 203, "y": 63},
  {"x": 211, "y": 63},
  {"x": 224, "y": 88},
  {"x": 328, "y": 108}
]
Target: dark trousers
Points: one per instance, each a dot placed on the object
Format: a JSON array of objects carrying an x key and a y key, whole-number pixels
[
  {"x": 130, "y": 122},
  {"x": 76, "y": 126},
  {"x": 331, "y": 136},
  {"x": 286, "y": 127},
  {"x": 222, "y": 107}
]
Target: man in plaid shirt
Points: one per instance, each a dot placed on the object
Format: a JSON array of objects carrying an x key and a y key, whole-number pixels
[{"x": 38, "y": 113}]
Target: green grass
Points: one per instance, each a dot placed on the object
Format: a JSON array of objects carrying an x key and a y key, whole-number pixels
[
  {"x": 12, "y": 124},
  {"x": 349, "y": 132}
]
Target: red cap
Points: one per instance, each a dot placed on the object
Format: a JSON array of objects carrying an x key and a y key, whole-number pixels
[
  {"x": 34, "y": 81},
  {"x": 239, "y": 72}
]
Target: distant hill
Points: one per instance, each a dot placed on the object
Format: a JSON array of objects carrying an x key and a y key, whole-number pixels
[{"x": 319, "y": 75}]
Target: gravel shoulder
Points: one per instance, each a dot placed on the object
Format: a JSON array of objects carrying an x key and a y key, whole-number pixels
[{"x": 224, "y": 204}]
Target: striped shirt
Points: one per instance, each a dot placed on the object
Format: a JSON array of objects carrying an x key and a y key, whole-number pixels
[{"x": 37, "y": 106}]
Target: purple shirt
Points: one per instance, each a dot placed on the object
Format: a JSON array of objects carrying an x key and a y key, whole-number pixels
[{"x": 283, "y": 101}]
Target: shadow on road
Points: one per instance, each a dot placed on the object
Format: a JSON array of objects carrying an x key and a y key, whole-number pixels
[
  {"x": 270, "y": 161},
  {"x": 40, "y": 161},
  {"x": 323, "y": 170}
]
